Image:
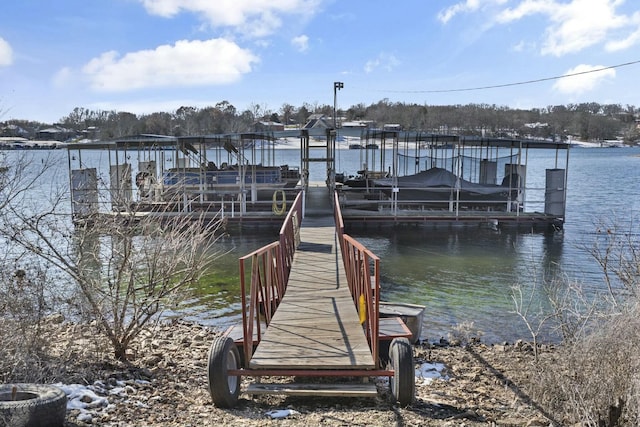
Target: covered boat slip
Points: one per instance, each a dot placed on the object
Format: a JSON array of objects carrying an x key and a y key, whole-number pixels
[
  {"x": 455, "y": 180},
  {"x": 164, "y": 175}
]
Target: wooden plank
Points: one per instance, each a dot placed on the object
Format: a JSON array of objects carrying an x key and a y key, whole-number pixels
[
  {"x": 392, "y": 327},
  {"x": 300, "y": 389},
  {"x": 316, "y": 325}
]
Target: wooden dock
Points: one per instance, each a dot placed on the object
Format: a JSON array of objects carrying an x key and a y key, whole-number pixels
[
  {"x": 316, "y": 329},
  {"x": 316, "y": 325}
]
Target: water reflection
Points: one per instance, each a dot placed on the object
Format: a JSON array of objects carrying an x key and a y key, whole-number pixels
[{"x": 463, "y": 274}]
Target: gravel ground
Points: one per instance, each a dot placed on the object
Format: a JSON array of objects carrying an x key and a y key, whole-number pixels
[{"x": 165, "y": 384}]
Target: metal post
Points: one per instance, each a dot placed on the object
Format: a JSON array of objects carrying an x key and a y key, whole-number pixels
[{"x": 336, "y": 87}]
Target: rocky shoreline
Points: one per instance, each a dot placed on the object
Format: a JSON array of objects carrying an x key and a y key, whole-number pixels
[{"x": 165, "y": 384}]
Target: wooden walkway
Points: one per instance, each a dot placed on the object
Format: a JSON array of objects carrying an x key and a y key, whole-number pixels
[{"x": 316, "y": 325}]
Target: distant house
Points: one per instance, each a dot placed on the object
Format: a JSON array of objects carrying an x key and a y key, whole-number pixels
[
  {"x": 91, "y": 132},
  {"x": 265, "y": 126},
  {"x": 55, "y": 133},
  {"x": 318, "y": 121},
  {"x": 14, "y": 130}
]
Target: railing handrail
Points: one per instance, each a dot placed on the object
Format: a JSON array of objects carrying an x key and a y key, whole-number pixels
[
  {"x": 266, "y": 289},
  {"x": 363, "y": 276},
  {"x": 270, "y": 268},
  {"x": 362, "y": 267},
  {"x": 289, "y": 236}
]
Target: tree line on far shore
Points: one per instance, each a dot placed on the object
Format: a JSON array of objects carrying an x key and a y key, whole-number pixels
[{"x": 585, "y": 121}]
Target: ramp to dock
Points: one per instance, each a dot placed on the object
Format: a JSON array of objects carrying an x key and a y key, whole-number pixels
[{"x": 316, "y": 325}]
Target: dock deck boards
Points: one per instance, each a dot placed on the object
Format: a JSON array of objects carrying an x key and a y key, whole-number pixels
[{"x": 316, "y": 325}]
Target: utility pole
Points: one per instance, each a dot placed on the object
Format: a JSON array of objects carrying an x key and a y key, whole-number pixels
[
  {"x": 336, "y": 87},
  {"x": 331, "y": 140}
]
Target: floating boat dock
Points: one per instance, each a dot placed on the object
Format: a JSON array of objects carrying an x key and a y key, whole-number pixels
[{"x": 486, "y": 182}]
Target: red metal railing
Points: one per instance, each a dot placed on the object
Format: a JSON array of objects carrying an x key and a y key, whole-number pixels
[
  {"x": 263, "y": 293},
  {"x": 362, "y": 268},
  {"x": 290, "y": 233},
  {"x": 269, "y": 269}
]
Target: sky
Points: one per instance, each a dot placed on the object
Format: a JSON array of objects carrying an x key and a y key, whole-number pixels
[{"x": 144, "y": 56}]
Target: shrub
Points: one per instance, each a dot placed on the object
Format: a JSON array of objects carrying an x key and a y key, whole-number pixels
[
  {"x": 127, "y": 268},
  {"x": 596, "y": 378},
  {"x": 23, "y": 309}
]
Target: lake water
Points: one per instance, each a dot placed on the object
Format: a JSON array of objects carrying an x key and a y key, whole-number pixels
[
  {"x": 466, "y": 274},
  {"x": 463, "y": 274}
]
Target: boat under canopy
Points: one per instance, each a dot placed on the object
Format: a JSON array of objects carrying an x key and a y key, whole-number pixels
[{"x": 441, "y": 184}]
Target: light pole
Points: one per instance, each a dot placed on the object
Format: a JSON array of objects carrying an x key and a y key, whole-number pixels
[
  {"x": 336, "y": 87},
  {"x": 332, "y": 172}
]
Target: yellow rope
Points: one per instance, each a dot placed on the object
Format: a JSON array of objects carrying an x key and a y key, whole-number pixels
[{"x": 274, "y": 206}]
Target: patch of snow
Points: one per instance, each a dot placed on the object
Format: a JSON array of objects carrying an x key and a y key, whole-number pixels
[
  {"x": 82, "y": 397},
  {"x": 427, "y": 372},
  {"x": 88, "y": 401},
  {"x": 281, "y": 413}
]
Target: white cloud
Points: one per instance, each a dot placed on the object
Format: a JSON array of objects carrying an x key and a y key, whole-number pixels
[
  {"x": 526, "y": 8},
  {"x": 301, "y": 43},
  {"x": 187, "y": 63},
  {"x": 580, "y": 24},
  {"x": 384, "y": 60},
  {"x": 466, "y": 6},
  {"x": 257, "y": 18},
  {"x": 628, "y": 41},
  {"x": 571, "y": 25},
  {"x": 581, "y": 83},
  {"x": 6, "y": 53}
]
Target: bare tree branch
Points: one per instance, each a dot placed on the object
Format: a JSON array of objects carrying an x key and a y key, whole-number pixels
[{"x": 128, "y": 267}]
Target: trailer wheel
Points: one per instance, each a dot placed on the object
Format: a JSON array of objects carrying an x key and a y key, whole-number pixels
[
  {"x": 224, "y": 388},
  {"x": 403, "y": 382},
  {"x": 32, "y": 405}
]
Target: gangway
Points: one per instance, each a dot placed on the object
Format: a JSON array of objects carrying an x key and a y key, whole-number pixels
[{"x": 311, "y": 309}]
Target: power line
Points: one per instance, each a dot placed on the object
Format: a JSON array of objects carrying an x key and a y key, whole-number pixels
[{"x": 468, "y": 89}]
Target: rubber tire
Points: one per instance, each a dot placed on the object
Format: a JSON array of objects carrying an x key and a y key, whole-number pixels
[
  {"x": 38, "y": 405},
  {"x": 383, "y": 352},
  {"x": 224, "y": 389},
  {"x": 403, "y": 382}
]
